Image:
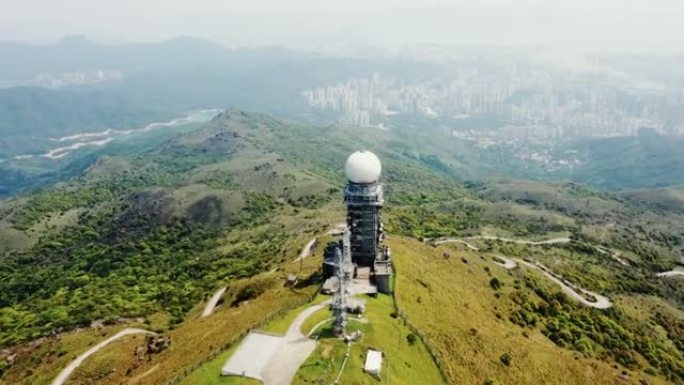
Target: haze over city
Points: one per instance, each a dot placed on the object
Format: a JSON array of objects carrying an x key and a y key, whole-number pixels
[
  {"x": 583, "y": 25},
  {"x": 349, "y": 192}
]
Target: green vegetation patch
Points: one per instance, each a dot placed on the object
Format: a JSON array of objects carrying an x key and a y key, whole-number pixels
[{"x": 404, "y": 362}]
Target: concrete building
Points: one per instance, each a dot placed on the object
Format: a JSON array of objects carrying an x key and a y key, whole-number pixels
[
  {"x": 373, "y": 364},
  {"x": 370, "y": 258},
  {"x": 364, "y": 198}
]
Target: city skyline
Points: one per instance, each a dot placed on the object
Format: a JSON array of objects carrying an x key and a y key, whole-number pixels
[{"x": 523, "y": 103}]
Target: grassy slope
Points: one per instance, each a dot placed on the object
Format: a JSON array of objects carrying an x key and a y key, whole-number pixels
[
  {"x": 408, "y": 363},
  {"x": 191, "y": 342},
  {"x": 422, "y": 201},
  {"x": 452, "y": 304}
]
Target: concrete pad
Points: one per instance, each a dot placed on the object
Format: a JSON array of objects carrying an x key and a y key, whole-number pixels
[
  {"x": 362, "y": 286},
  {"x": 284, "y": 364},
  {"x": 252, "y": 356},
  {"x": 270, "y": 359}
]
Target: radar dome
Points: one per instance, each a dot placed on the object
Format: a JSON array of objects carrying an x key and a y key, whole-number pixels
[{"x": 363, "y": 167}]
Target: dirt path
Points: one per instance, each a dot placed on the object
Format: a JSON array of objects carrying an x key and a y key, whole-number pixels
[
  {"x": 211, "y": 305},
  {"x": 64, "y": 374}
]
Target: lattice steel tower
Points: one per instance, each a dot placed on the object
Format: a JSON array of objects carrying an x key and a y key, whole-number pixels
[{"x": 344, "y": 271}]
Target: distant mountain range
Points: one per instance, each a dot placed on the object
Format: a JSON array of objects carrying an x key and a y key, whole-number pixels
[{"x": 161, "y": 81}]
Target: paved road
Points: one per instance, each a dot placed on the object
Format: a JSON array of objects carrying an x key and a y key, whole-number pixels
[
  {"x": 337, "y": 229},
  {"x": 306, "y": 251},
  {"x": 64, "y": 374},
  {"x": 602, "y": 302},
  {"x": 211, "y": 305},
  {"x": 296, "y": 348},
  {"x": 613, "y": 254},
  {"x": 521, "y": 242},
  {"x": 672, "y": 273},
  {"x": 502, "y": 239},
  {"x": 454, "y": 240},
  {"x": 506, "y": 263},
  {"x": 271, "y": 359}
]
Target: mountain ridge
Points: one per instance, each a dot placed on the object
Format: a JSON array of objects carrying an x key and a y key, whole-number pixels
[{"x": 150, "y": 235}]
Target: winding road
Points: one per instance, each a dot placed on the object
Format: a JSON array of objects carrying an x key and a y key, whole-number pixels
[
  {"x": 601, "y": 302},
  {"x": 613, "y": 254},
  {"x": 454, "y": 240},
  {"x": 521, "y": 242},
  {"x": 64, "y": 374},
  {"x": 211, "y": 305},
  {"x": 337, "y": 229},
  {"x": 297, "y": 348},
  {"x": 503, "y": 239},
  {"x": 672, "y": 273},
  {"x": 306, "y": 251},
  {"x": 505, "y": 262},
  {"x": 603, "y": 250}
]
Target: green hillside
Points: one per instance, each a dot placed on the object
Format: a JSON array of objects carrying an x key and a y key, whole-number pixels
[{"x": 144, "y": 238}]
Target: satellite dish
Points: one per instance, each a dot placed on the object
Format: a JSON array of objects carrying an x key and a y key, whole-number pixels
[{"x": 363, "y": 167}]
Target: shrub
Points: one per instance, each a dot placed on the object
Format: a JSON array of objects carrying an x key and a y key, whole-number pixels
[
  {"x": 411, "y": 338},
  {"x": 495, "y": 283},
  {"x": 506, "y": 359}
]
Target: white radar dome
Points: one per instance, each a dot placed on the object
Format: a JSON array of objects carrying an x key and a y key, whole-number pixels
[{"x": 363, "y": 167}]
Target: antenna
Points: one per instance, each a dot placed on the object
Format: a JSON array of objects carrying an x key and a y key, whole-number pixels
[{"x": 343, "y": 271}]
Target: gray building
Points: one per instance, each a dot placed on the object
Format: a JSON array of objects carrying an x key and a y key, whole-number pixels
[{"x": 364, "y": 198}]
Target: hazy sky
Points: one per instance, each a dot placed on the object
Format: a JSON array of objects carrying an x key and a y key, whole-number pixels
[{"x": 653, "y": 25}]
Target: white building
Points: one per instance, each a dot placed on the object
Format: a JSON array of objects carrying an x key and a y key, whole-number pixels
[{"x": 373, "y": 363}]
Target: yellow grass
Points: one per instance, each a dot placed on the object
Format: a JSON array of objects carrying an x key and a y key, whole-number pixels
[{"x": 453, "y": 306}]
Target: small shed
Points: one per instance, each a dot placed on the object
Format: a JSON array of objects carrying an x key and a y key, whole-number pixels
[
  {"x": 356, "y": 306},
  {"x": 331, "y": 285},
  {"x": 373, "y": 363},
  {"x": 292, "y": 280}
]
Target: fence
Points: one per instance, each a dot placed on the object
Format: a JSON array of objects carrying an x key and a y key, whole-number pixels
[{"x": 401, "y": 313}]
